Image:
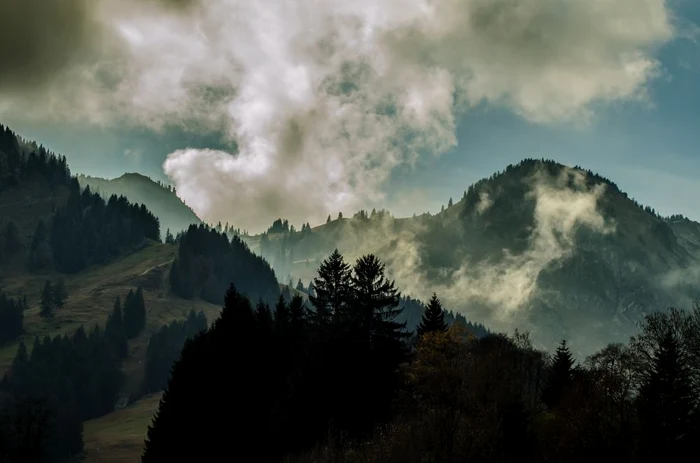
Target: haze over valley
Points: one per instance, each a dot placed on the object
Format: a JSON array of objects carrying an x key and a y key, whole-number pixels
[{"x": 376, "y": 231}]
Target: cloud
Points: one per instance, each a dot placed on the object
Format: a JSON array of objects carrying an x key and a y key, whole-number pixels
[{"x": 325, "y": 98}]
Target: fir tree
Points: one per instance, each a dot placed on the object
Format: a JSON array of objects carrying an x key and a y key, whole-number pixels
[
  {"x": 263, "y": 317},
  {"x": 300, "y": 286},
  {"x": 134, "y": 313},
  {"x": 560, "y": 375},
  {"x": 60, "y": 295},
  {"x": 47, "y": 301},
  {"x": 433, "y": 317},
  {"x": 667, "y": 404},
  {"x": 169, "y": 238},
  {"x": 114, "y": 331},
  {"x": 40, "y": 249},
  {"x": 449, "y": 203},
  {"x": 375, "y": 300},
  {"x": 281, "y": 315},
  {"x": 11, "y": 240},
  {"x": 331, "y": 288}
]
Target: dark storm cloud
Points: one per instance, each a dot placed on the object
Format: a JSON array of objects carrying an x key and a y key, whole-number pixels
[{"x": 42, "y": 38}]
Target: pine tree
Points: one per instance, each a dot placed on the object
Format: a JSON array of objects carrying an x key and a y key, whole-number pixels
[
  {"x": 134, "y": 313},
  {"x": 11, "y": 240},
  {"x": 433, "y": 317},
  {"x": 281, "y": 315},
  {"x": 667, "y": 406},
  {"x": 340, "y": 215},
  {"x": 328, "y": 220},
  {"x": 375, "y": 300},
  {"x": 263, "y": 317},
  {"x": 60, "y": 295},
  {"x": 40, "y": 249},
  {"x": 114, "y": 331},
  {"x": 560, "y": 375},
  {"x": 47, "y": 301},
  {"x": 449, "y": 203},
  {"x": 332, "y": 289},
  {"x": 300, "y": 286},
  {"x": 169, "y": 238}
]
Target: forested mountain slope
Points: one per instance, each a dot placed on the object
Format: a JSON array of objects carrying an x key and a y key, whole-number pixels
[
  {"x": 174, "y": 215},
  {"x": 557, "y": 250}
]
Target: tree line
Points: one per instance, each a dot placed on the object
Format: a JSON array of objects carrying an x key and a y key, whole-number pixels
[
  {"x": 499, "y": 399},
  {"x": 164, "y": 347},
  {"x": 21, "y": 160},
  {"x": 89, "y": 230},
  {"x": 49, "y": 391},
  {"x": 207, "y": 261},
  {"x": 339, "y": 381},
  {"x": 296, "y": 372}
]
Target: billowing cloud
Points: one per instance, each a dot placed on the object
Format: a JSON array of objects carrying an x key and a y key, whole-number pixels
[{"x": 325, "y": 98}]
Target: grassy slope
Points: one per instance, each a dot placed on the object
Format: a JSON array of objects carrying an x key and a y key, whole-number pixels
[{"x": 119, "y": 435}]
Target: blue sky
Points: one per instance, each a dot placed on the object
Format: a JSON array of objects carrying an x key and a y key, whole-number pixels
[{"x": 649, "y": 150}]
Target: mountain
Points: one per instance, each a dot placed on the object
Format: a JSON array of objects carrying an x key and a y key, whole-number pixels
[
  {"x": 174, "y": 215},
  {"x": 557, "y": 250},
  {"x": 68, "y": 259}
]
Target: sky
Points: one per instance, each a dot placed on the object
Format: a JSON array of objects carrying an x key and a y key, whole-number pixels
[{"x": 303, "y": 108}]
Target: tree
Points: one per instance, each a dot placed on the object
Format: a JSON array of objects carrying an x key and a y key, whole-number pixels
[
  {"x": 331, "y": 288},
  {"x": 340, "y": 215},
  {"x": 449, "y": 203},
  {"x": 134, "y": 313},
  {"x": 433, "y": 317},
  {"x": 114, "y": 331},
  {"x": 328, "y": 220},
  {"x": 667, "y": 404},
  {"x": 47, "y": 301},
  {"x": 60, "y": 295},
  {"x": 560, "y": 375},
  {"x": 263, "y": 317},
  {"x": 300, "y": 286},
  {"x": 40, "y": 249},
  {"x": 281, "y": 315},
  {"x": 11, "y": 239},
  {"x": 169, "y": 238},
  {"x": 375, "y": 300}
]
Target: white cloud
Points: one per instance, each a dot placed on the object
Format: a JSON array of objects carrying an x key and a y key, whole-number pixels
[{"x": 325, "y": 98}]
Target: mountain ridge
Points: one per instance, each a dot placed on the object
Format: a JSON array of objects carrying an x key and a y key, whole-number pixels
[
  {"x": 558, "y": 250},
  {"x": 174, "y": 214}
]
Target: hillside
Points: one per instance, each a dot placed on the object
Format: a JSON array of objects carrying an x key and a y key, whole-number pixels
[
  {"x": 174, "y": 215},
  {"x": 99, "y": 250},
  {"x": 560, "y": 251}
]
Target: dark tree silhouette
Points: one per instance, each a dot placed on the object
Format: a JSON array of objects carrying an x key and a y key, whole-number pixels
[
  {"x": 560, "y": 375},
  {"x": 134, "y": 313},
  {"x": 115, "y": 331},
  {"x": 667, "y": 405},
  {"x": 331, "y": 289},
  {"x": 47, "y": 301},
  {"x": 11, "y": 318},
  {"x": 60, "y": 295},
  {"x": 433, "y": 317}
]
